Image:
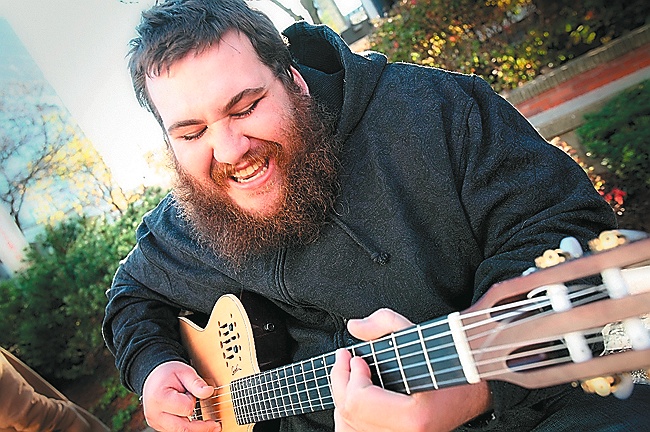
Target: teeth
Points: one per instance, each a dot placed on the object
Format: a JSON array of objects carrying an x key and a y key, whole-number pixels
[{"x": 241, "y": 176}]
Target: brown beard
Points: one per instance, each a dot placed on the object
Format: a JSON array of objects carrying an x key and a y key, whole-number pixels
[{"x": 309, "y": 165}]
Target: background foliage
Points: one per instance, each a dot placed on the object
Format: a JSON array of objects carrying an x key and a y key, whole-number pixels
[
  {"x": 52, "y": 311},
  {"x": 619, "y": 135},
  {"x": 507, "y": 42}
]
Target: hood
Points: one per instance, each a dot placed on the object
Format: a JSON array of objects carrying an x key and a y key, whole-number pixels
[{"x": 321, "y": 49}]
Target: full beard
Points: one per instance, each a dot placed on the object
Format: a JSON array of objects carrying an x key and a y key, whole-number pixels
[{"x": 309, "y": 165}]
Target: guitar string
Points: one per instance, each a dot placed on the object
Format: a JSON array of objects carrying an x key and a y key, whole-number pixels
[
  {"x": 592, "y": 339},
  {"x": 302, "y": 406},
  {"x": 295, "y": 385},
  {"x": 534, "y": 303}
]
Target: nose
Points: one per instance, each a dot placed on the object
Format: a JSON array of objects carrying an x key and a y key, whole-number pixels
[{"x": 228, "y": 143}]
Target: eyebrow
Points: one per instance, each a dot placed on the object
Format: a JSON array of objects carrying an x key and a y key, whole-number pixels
[{"x": 231, "y": 103}]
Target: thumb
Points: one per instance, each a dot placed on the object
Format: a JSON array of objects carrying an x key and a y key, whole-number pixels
[
  {"x": 195, "y": 384},
  {"x": 378, "y": 324}
]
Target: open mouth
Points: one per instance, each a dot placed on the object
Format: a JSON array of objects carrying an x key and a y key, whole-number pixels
[{"x": 251, "y": 172}]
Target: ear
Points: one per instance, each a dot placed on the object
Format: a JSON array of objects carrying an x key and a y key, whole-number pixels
[{"x": 298, "y": 79}]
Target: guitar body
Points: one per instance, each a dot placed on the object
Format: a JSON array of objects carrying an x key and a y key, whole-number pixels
[{"x": 226, "y": 349}]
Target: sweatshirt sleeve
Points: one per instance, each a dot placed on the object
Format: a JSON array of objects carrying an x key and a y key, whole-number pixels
[
  {"x": 140, "y": 326},
  {"x": 522, "y": 197}
]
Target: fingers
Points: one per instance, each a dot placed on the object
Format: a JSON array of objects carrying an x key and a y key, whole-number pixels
[
  {"x": 172, "y": 423},
  {"x": 340, "y": 375},
  {"x": 379, "y": 323},
  {"x": 193, "y": 383},
  {"x": 352, "y": 388},
  {"x": 169, "y": 398},
  {"x": 361, "y": 406}
]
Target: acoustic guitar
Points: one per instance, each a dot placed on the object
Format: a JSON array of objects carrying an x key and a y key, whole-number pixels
[{"x": 536, "y": 330}]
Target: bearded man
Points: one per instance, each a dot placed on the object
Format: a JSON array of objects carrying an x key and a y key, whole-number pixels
[{"x": 336, "y": 186}]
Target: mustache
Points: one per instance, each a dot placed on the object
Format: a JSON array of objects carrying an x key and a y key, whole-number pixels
[{"x": 219, "y": 172}]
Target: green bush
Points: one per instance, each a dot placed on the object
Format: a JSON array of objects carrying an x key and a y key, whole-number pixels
[
  {"x": 619, "y": 135},
  {"x": 52, "y": 311},
  {"x": 116, "y": 393},
  {"x": 507, "y": 42}
]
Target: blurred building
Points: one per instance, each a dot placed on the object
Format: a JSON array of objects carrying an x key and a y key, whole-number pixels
[
  {"x": 352, "y": 19},
  {"x": 20, "y": 141}
]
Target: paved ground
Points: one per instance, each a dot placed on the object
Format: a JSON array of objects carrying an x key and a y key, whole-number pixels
[{"x": 555, "y": 102}]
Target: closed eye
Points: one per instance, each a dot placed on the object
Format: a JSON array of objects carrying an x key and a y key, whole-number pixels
[
  {"x": 248, "y": 111},
  {"x": 194, "y": 136}
]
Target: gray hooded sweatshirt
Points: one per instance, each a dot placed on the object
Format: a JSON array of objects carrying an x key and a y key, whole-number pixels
[{"x": 445, "y": 189}]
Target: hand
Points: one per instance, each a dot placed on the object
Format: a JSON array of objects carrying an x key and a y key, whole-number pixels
[
  {"x": 362, "y": 406},
  {"x": 169, "y": 398}
]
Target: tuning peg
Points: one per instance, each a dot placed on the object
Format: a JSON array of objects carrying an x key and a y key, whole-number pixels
[
  {"x": 569, "y": 248},
  {"x": 624, "y": 388},
  {"x": 620, "y": 385},
  {"x": 551, "y": 257},
  {"x": 611, "y": 239}
]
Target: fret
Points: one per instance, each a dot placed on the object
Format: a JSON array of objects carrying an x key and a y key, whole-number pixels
[
  {"x": 270, "y": 396},
  {"x": 262, "y": 399},
  {"x": 249, "y": 408},
  {"x": 328, "y": 362},
  {"x": 440, "y": 348},
  {"x": 256, "y": 396},
  {"x": 286, "y": 392},
  {"x": 386, "y": 368},
  {"x": 400, "y": 367},
  {"x": 198, "y": 411},
  {"x": 415, "y": 367},
  {"x": 314, "y": 365},
  {"x": 267, "y": 409},
  {"x": 249, "y": 398},
  {"x": 376, "y": 366},
  {"x": 318, "y": 385},
  {"x": 278, "y": 395},
  {"x": 321, "y": 377},
  {"x": 293, "y": 388},
  {"x": 270, "y": 384},
  {"x": 376, "y": 354},
  {"x": 425, "y": 352},
  {"x": 310, "y": 383},
  {"x": 245, "y": 400},
  {"x": 238, "y": 406},
  {"x": 301, "y": 387}
]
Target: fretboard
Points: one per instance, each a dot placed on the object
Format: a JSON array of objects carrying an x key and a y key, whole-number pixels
[{"x": 423, "y": 357}]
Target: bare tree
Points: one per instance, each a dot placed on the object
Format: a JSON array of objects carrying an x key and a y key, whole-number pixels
[{"x": 43, "y": 154}]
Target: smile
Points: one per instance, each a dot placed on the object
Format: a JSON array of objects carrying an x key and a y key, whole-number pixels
[{"x": 251, "y": 172}]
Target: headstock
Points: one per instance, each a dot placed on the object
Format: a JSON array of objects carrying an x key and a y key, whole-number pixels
[{"x": 543, "y": 328}]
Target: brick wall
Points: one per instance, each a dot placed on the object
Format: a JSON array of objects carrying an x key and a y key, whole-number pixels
[{"x": 556, "y": 102}]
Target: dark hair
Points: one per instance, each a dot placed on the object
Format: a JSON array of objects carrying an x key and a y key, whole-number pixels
[{"x": 174, "y": 28}]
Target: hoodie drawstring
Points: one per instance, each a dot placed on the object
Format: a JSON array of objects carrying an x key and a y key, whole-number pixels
[{"x": 377, "y": 256}]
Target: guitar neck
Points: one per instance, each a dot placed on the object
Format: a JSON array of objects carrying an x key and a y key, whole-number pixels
[
  {"x": 457, "y": 349},
  {"x": 401, "y": 362}
]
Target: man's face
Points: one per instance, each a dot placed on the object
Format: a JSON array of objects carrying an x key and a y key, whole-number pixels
[
  {"x": 256, "y": 160},
  {"x": 226, "y": 117}
]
